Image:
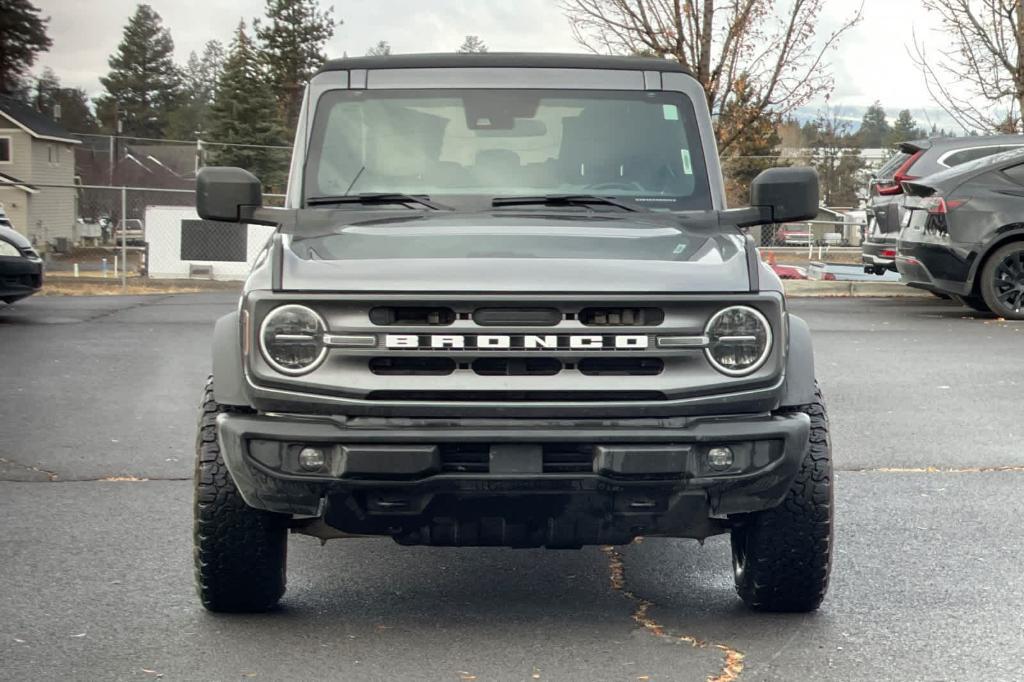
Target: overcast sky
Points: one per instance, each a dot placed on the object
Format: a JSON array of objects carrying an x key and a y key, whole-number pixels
[{"x": 871, "y": 63}]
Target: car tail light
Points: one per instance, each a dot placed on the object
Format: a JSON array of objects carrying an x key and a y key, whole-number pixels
[
  {"x": 901, "y": 175},
  {"x": 888, "y": 253},
  {"x": 940, "y": 205}
]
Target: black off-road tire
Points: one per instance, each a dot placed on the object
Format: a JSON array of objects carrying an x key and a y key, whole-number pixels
[
  {"x": 240, "y": 552},
  {"x": 976, "y": 303},
  {"x": 990, "y": 282},
  {"x": 782, "y": 556}
]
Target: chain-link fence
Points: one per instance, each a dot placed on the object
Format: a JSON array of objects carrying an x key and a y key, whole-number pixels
[
  {"x": 130, "y": 211},
  {"x": 128, "y": 232},
  {"x": 122, "y": 232}
]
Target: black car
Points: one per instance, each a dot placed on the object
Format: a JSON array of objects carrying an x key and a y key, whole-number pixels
[
  {"x": 963, "y": 234},
  {"x": 21, "y": 268},
  {"x": 505, "y": 304},
  {"x": 913, "y": 160}
]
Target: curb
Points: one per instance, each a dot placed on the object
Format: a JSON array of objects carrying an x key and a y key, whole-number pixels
[{"x": 797, "y": 288}]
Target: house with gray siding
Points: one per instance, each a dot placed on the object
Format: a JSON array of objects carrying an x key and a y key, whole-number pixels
[{"x": 37, "y": 173}]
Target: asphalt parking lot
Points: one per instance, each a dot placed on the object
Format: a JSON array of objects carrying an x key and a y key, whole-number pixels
[{"x": 97, "y": 404}]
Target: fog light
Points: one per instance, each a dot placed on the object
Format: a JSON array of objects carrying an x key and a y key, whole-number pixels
[
  {"x": 312, "y": 459},
  {"x": 720, "y": 458}
]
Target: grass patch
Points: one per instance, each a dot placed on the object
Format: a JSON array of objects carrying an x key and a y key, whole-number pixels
[{"x": 136, "y": 286}]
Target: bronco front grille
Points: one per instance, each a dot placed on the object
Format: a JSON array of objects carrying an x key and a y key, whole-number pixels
[{"x": 497, "y": 349}]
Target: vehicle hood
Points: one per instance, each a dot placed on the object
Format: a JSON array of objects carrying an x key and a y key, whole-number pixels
[{"x": 473, "y": 253}]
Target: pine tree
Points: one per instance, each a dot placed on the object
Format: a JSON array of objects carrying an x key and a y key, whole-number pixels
[
  {"x": 199, "y": 79},
  {"x": 144, "y": 84},
  {"x": 905, "y": 128},
  {"x": 472, "y": 44},
  {"x": 68, "y": 106},
  {"x": 244, "y": 112},
  {"x": 381, "y": 49},
  {"x": 22, "y": 37},
  {"x": 839, "y": 164},
  {"x": 292, "y": 40},
  {"x": 874, "y": 127}
]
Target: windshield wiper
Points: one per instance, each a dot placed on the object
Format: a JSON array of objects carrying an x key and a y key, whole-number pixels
[
  {"x": 369, "y": 199},
  {"x": 563, "y": 200}
]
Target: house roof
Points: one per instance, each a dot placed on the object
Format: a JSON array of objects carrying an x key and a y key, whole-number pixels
[
  {"x": 8, "y": 181},
  {"x": 33, "y": 122}
]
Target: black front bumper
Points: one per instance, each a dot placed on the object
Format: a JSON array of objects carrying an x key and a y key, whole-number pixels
[
  {"x": 515, "y": 482},
  {"x": 19, "y": 277}
]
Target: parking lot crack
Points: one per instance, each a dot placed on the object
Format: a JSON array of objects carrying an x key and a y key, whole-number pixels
[
  {"x": 50, "y": 475},
  {"x": 732, "y": 659},
  {"x": 150, "y": 300}
]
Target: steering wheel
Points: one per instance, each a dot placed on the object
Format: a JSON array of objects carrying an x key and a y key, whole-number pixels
[{"x": 615, "y": 185}]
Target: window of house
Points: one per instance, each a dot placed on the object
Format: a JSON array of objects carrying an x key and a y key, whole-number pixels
[
  {"x": 5, "y": 150},
  {"x": 53, "y": 153}
]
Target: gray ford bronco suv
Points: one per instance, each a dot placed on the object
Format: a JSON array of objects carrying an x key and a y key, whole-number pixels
[{"x": 505, "y": 304}]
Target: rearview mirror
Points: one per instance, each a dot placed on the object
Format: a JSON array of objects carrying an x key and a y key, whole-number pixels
[
  {"x": 227, "y": 194},
  {"x": 790, "y": 193}
]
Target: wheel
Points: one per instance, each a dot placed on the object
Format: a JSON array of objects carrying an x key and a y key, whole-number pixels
[
  {"x": 1002, "y": 281},
  {"x": 240, "y": 552},
  {"x": 974, "y": 303},
  {"x": 782, "y": 556}
]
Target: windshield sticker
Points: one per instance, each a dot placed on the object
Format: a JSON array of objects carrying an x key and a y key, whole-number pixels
[
  {"x": 687, "y": 164},
  {"x": 670, "y": 111}
]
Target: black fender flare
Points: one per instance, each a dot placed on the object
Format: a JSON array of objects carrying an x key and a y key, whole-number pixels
[
  {"x": 800, "y": 381},
  {"x": 228, "y": 373}
]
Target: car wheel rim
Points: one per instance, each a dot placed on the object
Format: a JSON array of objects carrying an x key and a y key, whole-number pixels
[{"x": 1009, "y": 281}]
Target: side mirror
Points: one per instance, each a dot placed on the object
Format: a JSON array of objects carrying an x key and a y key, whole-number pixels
[
  {"x": 790, "y": 193},
  {"x": 227, "y": 194}
]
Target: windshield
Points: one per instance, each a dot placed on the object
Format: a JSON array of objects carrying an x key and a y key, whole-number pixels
[{"x": 503, "y": 142}]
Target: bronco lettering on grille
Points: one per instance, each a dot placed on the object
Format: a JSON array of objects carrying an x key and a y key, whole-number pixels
[{"x": 516, "y": 341}]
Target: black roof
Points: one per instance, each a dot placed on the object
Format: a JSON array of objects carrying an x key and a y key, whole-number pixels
[
  {"x": 444, "y": 60},
  {"x": 38, "y": 124}
]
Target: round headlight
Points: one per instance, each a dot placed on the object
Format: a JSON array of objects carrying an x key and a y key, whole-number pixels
[
  {"x": 292, "y": 339},
  {"x": 739, "y": 340}
]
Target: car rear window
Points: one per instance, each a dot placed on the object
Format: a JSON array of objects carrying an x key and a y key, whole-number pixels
[{"x": 973, "y": 154}]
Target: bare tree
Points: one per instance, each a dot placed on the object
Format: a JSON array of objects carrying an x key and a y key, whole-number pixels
[
  {"x": 381, "y": 49},
  {"x": 472, "y": 44},
  {"x": 772, "y": 48},
  {"x": 979, "y": 79}
]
